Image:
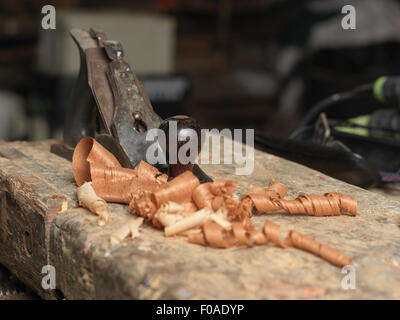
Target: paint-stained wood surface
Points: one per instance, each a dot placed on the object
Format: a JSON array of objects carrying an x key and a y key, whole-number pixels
[{"x": 41, "y": 224}]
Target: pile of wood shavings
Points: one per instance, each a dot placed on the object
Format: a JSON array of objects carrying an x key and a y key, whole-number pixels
[{"x": 207, "y": 214}]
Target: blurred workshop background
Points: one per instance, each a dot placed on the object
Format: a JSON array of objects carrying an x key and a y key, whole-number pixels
[{"x": 228, "y": 63}]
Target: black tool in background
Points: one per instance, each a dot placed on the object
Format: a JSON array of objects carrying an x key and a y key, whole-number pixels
[{"x": 365, "y": 161}]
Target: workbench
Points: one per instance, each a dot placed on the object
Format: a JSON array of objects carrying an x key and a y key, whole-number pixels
[{"x": 41, "y": 224}]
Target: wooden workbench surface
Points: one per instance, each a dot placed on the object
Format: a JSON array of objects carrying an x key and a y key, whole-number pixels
[{"x": 41, "y": 224}]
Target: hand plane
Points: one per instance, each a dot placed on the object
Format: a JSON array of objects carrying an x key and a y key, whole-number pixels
[{"x": 109, "y": 103}]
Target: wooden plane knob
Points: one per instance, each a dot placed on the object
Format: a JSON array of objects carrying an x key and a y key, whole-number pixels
[{"x": 181, "y": 137}]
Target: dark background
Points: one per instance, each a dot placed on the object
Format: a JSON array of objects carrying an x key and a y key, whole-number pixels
[{"x": 244, "y": 64}]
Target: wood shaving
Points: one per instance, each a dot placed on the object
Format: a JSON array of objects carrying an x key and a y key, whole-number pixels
[
  {"x": 196, "y": 219},
  {"x": 88, "y": 198},
  {"x": 129, "y": 230}
]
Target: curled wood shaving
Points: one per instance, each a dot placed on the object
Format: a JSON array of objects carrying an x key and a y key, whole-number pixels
[
  {"x": 88, "y": 151},
  {"x": 178, "y": 189},
  {"x": 88, "y": 198},
  {"x": 223, "y": 188},
  {"x": 303, "y": 242},
  {"x": 92, "y": 162},
  {"x": 166, "y": 219},
  {"x": 130, "y": 229},
  {"x": 275, "y": 190},
  {"x": 329, "y": 204},
  {"x": 169, "y": 213},
  {"x": 214, "y": 235},
  {"x": 202, "y": 195},
  {"x": 113, "y": 184},
  {"x": 218, "y": 195},
  {"x": 143, "y": 205}
]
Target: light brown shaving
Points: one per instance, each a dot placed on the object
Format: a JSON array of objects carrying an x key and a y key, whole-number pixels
[
  {"x": 329, "y": 204},
  {"x": 129, "y": 229},
  {"x": 88, "y": 198},
  {"x": 221, "y": 220},
  {"x": 92, "y": 162},
  {"x": 196, "y": 219}
]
